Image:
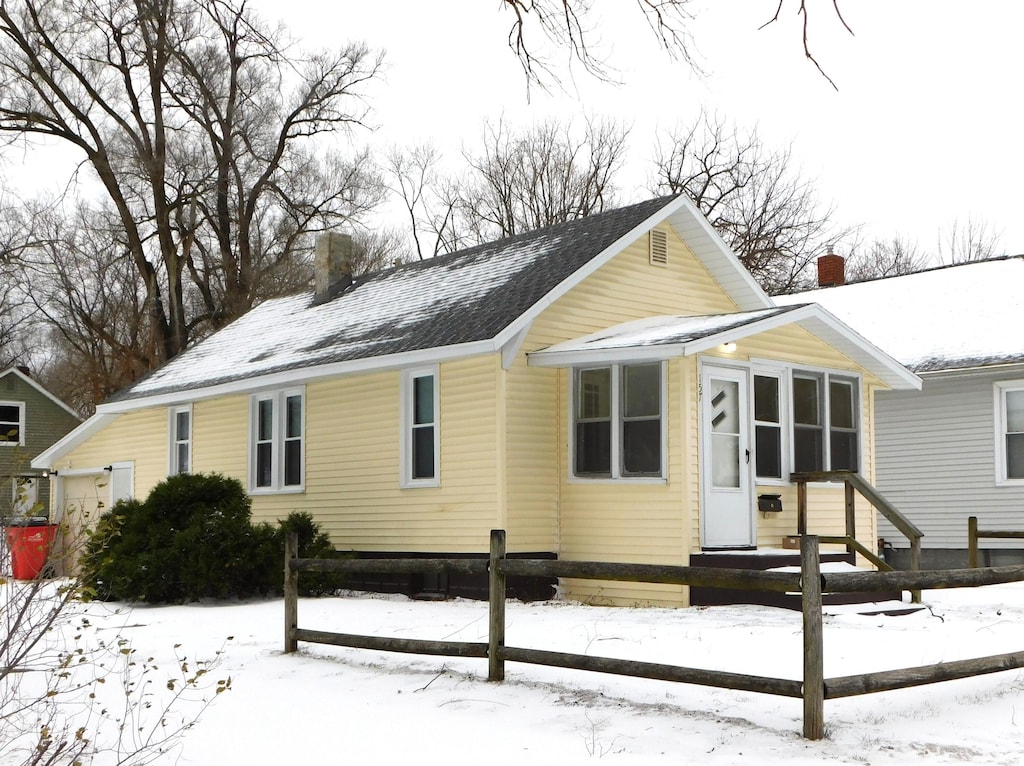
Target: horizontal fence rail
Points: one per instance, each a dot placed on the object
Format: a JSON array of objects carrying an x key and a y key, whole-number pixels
[{"x": 810, "y": 582}]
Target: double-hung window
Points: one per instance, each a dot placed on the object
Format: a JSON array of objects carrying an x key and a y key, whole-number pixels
[
  {"x": 277, "y": 445},
  {"x": 1010, "y": 432},
  {"x": 421, "y": 440},
  {"x": 617, "y": 421},
  {"x": 826, "y": 422},
  {"x": 180, "y": 452},
  {"x": 12, "y": 424},
  {"x": 805, "y": 421}
]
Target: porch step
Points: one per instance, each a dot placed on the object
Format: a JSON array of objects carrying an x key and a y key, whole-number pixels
[{"x": 785, "y": 560}]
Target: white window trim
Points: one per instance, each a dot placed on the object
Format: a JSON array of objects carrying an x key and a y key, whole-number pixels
[
  {"x": 616, "y": 422},
  {"x": 172, "y": 439},
  {"x": 21, "y": 425},
  {"x": 785, "y": 372},
  {"x": 406, "y": 480},
  {"x": 1000, "y": 389},
  {"x": 279, "y": 398}
]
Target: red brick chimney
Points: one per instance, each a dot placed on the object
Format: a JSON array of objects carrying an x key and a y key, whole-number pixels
[{"x": 831, "y": 269}]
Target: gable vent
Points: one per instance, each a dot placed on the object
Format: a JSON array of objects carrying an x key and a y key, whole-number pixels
[{"x": 659, "y": 248}]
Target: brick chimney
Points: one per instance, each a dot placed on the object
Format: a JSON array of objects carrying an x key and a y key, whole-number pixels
[
  {"x": 831, "y": 269},
  {"x": 332, "y": 263}
]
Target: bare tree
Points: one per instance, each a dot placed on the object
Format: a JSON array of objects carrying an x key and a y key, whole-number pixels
[
  {"x": 805, "y": 21},
  {"x": 71, "y": 695},
  {"x": 968, "y": 242},
  {"x": 201, "y": 128},
  {"x": 754, "y": 197},
  {"x": 517, "y": 181},
  {"x": 892, "y": 257},
  {"x": 568, "y": 25}
]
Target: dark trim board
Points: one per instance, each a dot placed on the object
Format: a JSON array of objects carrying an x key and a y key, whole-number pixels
[
  {"x": 953, "y": 558},
  {"x": 431, "y": 586},
  {"x": 771, "y": 560}
]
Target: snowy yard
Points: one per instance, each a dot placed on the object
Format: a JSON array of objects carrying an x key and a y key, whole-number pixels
[{"x": 327, "y": 704}]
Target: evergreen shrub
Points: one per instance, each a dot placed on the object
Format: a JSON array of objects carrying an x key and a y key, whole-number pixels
[{"x": 193, "y": 538}]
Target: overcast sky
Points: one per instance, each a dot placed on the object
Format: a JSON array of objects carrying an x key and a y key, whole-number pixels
[{"x": 924, "y": 130}]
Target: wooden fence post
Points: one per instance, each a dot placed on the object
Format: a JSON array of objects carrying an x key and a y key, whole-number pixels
[
  {"x": 496, "y": 588},
  {"x": 814, "y": 656},
  {"x": 291, "y": 592},
  {"x": 972, "y": 542}
]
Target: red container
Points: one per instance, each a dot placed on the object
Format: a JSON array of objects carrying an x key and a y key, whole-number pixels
[{"x": 29, "y": 548}]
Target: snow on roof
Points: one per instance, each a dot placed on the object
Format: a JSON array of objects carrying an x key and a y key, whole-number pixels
[
  {"x": 659, "y": 331},
  {"x": 457, "y": 299},
  {"x": 947, "y": 318}
]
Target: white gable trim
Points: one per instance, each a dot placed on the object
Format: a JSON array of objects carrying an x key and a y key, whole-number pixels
[
  {"x": 27, "y": 379},
  {"x": 693, "y": 228},
  {"x": 47, "y": 459},
  {"x": 811, "y": 317}
]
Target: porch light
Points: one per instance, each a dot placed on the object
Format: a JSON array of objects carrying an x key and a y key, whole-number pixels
[{"x": 729, "y": 347}]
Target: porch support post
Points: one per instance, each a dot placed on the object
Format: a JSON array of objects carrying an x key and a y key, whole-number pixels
[
  {"x": 801, "y": 508},
  {"x": 972, "y": 542},
  {"x": 851, "y": 515}
]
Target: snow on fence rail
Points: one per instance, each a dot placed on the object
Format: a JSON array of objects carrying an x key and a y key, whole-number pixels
[{"x": 810, "y": 582}]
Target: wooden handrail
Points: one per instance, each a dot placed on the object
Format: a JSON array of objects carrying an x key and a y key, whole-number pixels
[
  {"x": 906, "y": 527},
  {"x": 852, "y": 542},
  {"x": 854, "y": 481}
]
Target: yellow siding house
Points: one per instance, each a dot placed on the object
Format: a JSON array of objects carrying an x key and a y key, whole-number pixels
[{"x": 615, "y": 388}]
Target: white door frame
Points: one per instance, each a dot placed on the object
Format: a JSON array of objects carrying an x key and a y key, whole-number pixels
[{"x": 727, "y": 517}]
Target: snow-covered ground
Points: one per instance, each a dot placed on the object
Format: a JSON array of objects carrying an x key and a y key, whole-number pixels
[{"x": 332, "y": 705}]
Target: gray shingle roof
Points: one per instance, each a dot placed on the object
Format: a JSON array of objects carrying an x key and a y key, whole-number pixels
[{"x": 468, "y": 296}]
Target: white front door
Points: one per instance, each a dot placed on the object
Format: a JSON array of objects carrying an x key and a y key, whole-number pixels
[{"x": 727, "y": 509}]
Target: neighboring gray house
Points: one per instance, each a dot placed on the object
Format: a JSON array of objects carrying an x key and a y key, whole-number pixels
[{"x": 956, "y": 448}]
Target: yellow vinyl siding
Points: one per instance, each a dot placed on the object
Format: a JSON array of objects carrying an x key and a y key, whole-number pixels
[
  {"x": 353, "y": 432},
  {"x": 630, "y": 521},
  {"x": 138, "y": 437},
  {"x": 628, "y": 287}
]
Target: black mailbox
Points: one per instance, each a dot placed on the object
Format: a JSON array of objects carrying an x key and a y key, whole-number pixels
[{"x": 770, "y": 503}]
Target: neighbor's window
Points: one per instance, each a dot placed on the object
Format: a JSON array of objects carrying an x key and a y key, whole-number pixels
[
  {"x": 420, "y": 432},
  {"x": 817, "y": 415},
  {"x": 617, "y": 421},
  {"x": 1011, "y": 432},
  {"x": 277, "y": 450},
  {"x": 181, "y": 440},
  {"x": 12, "y": 424}
]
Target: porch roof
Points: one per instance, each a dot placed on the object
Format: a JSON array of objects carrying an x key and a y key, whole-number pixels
[{"x": 663, "y": 337}]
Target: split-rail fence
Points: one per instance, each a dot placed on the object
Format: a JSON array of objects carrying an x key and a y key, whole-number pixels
[{"x": 810, "y": 582}]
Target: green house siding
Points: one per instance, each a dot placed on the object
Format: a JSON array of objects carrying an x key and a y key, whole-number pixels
[{"x": 46, "y": 422}]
